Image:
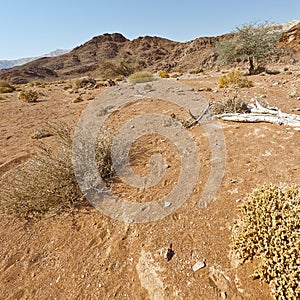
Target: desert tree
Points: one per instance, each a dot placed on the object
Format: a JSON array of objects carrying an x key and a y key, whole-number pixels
[{"x": 255, "y": 43}]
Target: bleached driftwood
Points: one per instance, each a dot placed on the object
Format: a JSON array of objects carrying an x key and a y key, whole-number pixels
[{"x": 259, "y": 113}]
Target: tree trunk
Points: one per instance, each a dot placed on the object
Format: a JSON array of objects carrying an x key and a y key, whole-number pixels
[
  {"x": 255, "y": 68},
  {"x": 251, "y": 63}
]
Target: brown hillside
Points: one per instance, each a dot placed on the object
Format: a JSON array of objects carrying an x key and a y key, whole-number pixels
[
  {"x": 153, "y": 53},
  {"x": 291, "y": 38},
  {"x": 148, "y": 52}
]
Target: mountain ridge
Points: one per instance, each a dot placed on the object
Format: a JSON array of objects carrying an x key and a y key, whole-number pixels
[{"x": 96, "y": 56}]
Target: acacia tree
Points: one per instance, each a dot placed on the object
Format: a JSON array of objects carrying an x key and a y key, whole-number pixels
[{"x": 253, "y": 43}]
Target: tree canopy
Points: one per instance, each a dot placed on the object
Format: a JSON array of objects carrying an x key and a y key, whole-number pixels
[{"x": 251, "y": 42}]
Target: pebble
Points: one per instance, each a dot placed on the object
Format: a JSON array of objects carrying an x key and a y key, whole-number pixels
[
  {"x": 223, "y": 295},
  {"x": 199, "y": 265},
  {"x": 168, "y": 204}
]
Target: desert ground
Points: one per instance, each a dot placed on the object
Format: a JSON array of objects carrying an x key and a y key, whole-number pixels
[{"x": 83, "y": 254}]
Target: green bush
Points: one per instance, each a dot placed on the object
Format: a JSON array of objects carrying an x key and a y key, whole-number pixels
[
  {"x": 234, "y": 79},
  {"x": 140, "y": 77}
]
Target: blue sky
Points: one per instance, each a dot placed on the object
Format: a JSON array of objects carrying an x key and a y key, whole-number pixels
[{"x": 32, "y": 27}]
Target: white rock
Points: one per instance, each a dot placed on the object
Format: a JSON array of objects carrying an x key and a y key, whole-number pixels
[
  {"x": 223, "y": 295},
  {"x": 199, "y": 265}
]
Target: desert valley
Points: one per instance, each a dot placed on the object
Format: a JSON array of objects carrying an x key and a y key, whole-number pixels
[{"x": 55, "y": 245}]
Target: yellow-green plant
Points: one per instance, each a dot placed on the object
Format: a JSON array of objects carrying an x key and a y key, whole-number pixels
[
  {"x": 140, "y": 77},
  {"x": 234, "y": 79},
  {"x": 29, "y": 96},
  {"x": 117, "y": 79},
  {"x": 269, "y": 230},
  {"x": 5, "y": 87},
  {"x": 163, "y": 74}
]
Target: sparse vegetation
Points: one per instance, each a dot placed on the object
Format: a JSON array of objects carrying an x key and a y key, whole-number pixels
[
  {"x": 196, "y": 71},
  {"x": 83, "y": 82},
  {"x": 270, "y": 230},
  {"x": 234, "y": 79},
  {"x": 78, "y": 99},
  {"x": 252, "y": 42},
  {"x": 103, "y": 154},
  {"x": 163, "y": 74},
  {"x": 294, "y": 89},
  {"x": 140, "y": 77},
  {"x": 47, "y": 182},
  {"x": 118, "y": 69},
  {"x": 229, "y": 105},
  {"x": 29, "y": 96},
  {"x": 118, "y": 79},
  {"x": 175, "y": 75},
  {"x": 5, "y": 87}
]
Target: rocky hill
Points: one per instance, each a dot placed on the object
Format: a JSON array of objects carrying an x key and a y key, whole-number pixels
[
  {"x": 291, "y": 37},
  {"x": 152, "y": 53},
  {"x": 100, "y": 56}
]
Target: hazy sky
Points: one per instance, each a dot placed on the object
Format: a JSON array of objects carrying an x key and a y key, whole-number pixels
[{"x": 34, "y": 27}]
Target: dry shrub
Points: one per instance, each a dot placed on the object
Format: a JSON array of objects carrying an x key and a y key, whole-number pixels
[
  {"x": 5, "y": 87},
  {"x": 234, "y": 79},
  {"x": 140, "y": 77},
  {"x": 294, "y": 89},
  {"x": 196, "y": 71},
  {"x": 117, "y": 69},
  {"x": 29, "y": 96},
  {"x": 163, "y": 74},
  {"x": 229, "y": 105},
  {"x": 83, "y": 82},
  {"x": 47, "y": 182},
  {"x": 103, "y": 154},
  {"x": 78, "y": 99},
  {"x": 270, "y": 230}
]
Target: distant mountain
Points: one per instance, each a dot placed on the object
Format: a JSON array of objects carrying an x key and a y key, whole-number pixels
[
  {"x": 109, "y": 55},
  {"x": 7, "y": 64}
]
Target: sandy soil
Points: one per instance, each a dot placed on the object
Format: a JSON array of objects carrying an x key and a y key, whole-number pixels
[{"x": 86, "y": 255}]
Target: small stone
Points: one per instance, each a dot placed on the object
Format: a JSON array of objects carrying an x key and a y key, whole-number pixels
[
  {"x": 168, "y": 204},
  {"x": 131, "y": 126},
  {"x": 223, "y": 295},
  {"x": 166, "y": 166},
  {"x": 199, "y": 265}
]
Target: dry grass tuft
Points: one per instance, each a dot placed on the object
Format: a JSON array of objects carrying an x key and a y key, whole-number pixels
[
  {"x": 140, "y": 77},
  {"x": 270, "y": 230},
  {"x": 229, "y": 105},
  {"x": 47, "y": 182},
  {"x": 103, "y": 154},
  {"x": 234, "y": 79}
]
